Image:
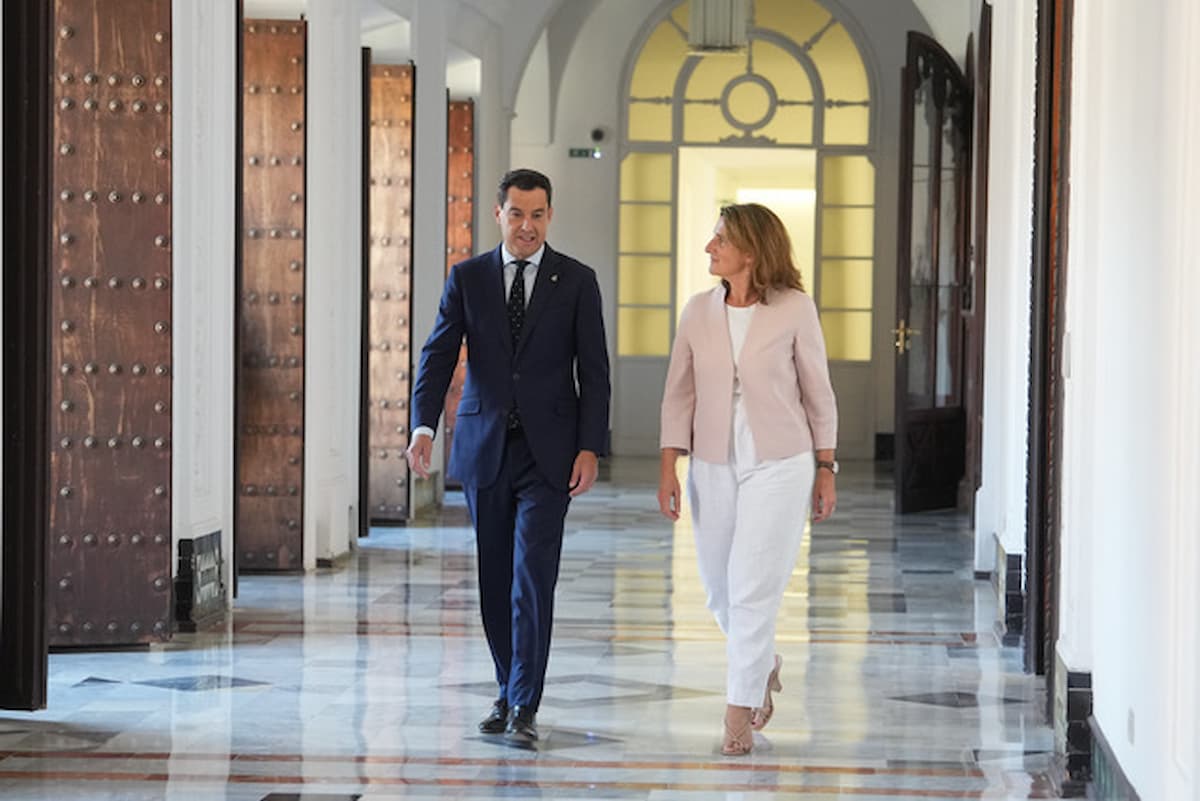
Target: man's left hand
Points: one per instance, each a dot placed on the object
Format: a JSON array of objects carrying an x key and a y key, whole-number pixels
[{"x": 583, "y": 474}]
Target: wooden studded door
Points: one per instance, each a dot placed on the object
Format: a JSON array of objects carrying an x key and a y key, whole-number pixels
[
  {"x": 390, "y": 295},
  {"x": 109, "y": 579},
  {"x": 269, "y": 529},
  {"x": 460, "y": 214}
]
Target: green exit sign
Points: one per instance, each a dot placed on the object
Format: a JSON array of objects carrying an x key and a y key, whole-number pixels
[{"x": 584, "y": 152}]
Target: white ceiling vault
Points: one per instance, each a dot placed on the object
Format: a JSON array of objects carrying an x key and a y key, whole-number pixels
[
  {"x": 510, "y": 29},
  {"x": 507, "y": 28}
]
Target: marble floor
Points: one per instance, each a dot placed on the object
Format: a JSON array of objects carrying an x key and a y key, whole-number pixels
[{"x": 366, "y": 680}]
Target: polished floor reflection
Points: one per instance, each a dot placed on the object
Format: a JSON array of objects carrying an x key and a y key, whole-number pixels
[{"x": 367, "y": 680}]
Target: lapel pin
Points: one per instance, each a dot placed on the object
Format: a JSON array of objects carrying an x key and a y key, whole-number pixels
[{"x": 554, "y": 278}]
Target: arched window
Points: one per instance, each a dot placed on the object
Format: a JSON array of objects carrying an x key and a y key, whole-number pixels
[{"x": 799, "y": 94}]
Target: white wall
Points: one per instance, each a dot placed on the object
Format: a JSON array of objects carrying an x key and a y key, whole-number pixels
[
  {"x": 952, "y": 21},
  {"x": 390, "y": 40},
  {"x": 333, "y": 279},
  {"x": 1000, "y": 501},
  {"x": 493, "y": 117},
  {"x": 531, "y": 123},
  {"x": 391, "y": 43},
  {"x": 464, "y": 75},
  {"x": 430, "y": 28},
  {"x": 274, "y": 9},
  {"x": 1131, "y": 460},
  {"x": 1084, "y": 357},
  {"x": 203, "y": 207}
]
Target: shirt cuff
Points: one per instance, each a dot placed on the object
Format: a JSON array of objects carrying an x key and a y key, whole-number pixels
[{"x": 422, "y": 431}]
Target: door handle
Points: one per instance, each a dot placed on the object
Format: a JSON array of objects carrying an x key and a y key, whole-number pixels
[{"x": 904, "y": 336}]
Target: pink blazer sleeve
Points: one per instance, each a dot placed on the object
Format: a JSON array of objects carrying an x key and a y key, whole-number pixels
[
  {"x": 812, "y": 370},
  {"x": 679, "y": 394}
]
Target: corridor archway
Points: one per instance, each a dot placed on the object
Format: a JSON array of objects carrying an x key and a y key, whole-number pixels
[{"x": 802, "y": 88}]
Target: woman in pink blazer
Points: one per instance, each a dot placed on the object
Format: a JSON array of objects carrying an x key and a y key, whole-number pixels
[{"x": 748, "y": 397}]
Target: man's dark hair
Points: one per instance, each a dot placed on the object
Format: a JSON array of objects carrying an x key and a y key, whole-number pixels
[{"x": 525, "y": 180}]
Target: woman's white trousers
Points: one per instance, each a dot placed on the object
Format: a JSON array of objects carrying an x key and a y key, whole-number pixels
[{"x": 748, "y": 518}]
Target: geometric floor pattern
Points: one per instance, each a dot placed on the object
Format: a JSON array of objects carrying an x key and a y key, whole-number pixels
[{"x": 366, "y": 680}]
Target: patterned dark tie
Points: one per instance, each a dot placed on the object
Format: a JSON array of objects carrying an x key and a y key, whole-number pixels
[
  {"x": 516, "y": 303},
  {"x": 516, "y": 319}
]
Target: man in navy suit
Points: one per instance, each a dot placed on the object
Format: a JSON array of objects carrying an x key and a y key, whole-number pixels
[{"x": 532, "y": 421}]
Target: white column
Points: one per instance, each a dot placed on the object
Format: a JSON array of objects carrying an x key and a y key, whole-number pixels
[
  {"x": 1000, "y": 502},
  {"x": 1131, "y": 463},
  {"x": 203, "y": 206},
  {"x": 429, "y": 35},
  {"x": 493, "y": 122},
  {"x": 333, "y": 279},
  {"x": 1083, "y": 355},
  {"x": 1182, "y": 76}
]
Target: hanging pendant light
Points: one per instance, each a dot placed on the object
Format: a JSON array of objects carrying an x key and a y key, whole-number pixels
[{"x": 718, "y": 25}]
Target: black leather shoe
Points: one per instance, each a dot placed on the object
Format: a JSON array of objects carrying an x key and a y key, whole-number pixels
[
  {"x": 495, "y": 722},
  {"x": 522, "y": 725}
]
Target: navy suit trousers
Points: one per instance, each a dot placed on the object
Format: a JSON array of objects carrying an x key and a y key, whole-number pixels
[{"x": 518, "y": 533}]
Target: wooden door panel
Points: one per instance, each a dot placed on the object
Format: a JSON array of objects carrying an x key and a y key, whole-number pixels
[
  {"x": 110, "y": 550},
  {"x": 389, "y": 301},
  {"x": 932, "y": 481},
  {"x": 976, "y": 288},
  {"x": 271, "y": 311},
  {"x": 460, "y": 215}
]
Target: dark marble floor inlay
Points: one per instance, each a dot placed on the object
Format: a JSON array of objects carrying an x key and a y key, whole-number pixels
[
  {"x": 310, "y": 797},
  {"x": 91, "y": 681},
  {"x": 591, "y": 691},
  {"x": 552, "y": 739},
  {"x": 959, "y": 700},
  {"x": 999, "y": 756},
  {"x": 201, "y": 683}
]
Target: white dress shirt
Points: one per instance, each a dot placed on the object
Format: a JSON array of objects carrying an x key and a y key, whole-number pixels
[{"x": 510, "y": 272}]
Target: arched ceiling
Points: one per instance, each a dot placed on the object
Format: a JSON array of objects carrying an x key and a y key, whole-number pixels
[{"x": 514, "y": 26}]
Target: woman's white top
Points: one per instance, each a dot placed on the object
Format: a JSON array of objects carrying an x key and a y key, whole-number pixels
[{"x": 738, "y": 318}]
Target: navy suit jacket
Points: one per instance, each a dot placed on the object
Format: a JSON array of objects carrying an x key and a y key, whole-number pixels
[{"x": 557, "y": 378}]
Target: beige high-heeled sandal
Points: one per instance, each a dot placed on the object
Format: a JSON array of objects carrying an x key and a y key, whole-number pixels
[
  {"x": 762, "y": 714},
  {"x": 739, "y": 738}
]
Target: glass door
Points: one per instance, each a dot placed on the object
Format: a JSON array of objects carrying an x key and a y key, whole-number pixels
[{"x": 935, "y": 163}]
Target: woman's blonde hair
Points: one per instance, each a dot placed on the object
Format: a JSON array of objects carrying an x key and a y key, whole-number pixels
[{"x": 755, "y": 229}]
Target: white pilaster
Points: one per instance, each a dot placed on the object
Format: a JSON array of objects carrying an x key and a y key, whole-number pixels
[
  {"x": 333, "y": 279},
  {"x": 1000, "y": 502},
  {"x": 1181, "y": 74},
  {"x": 203, "y": 208},
  {"x": 1131, "y": 463},
  {"x": 492, "y": 134},
  {"x": 429, "y": 36}
]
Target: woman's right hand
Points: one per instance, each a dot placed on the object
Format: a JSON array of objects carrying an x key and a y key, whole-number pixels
[{"x": 669, "y": 497}]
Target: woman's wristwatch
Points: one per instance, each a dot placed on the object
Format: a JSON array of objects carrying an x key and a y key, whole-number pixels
[{"x": 832, "y": 467}]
